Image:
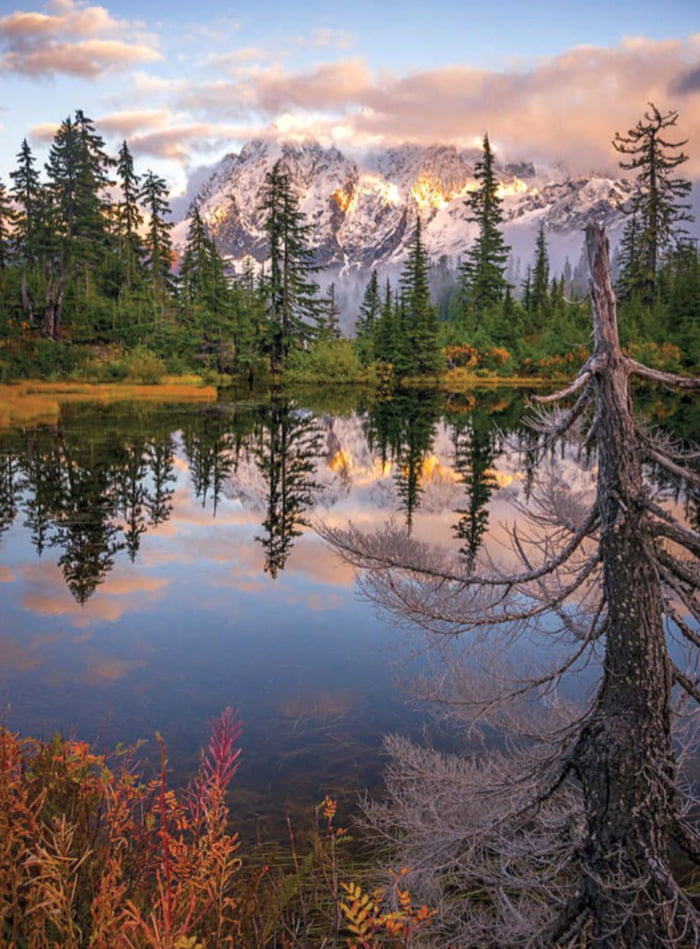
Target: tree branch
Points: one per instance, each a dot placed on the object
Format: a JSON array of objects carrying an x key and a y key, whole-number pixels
[
  {"x": 685, "y": 683},
  {"x": 678, "y": 470},
  {"x": 581, "y": 379},
  {"x": 655, "y": 375},
  {"x": 683, "y": 536}
]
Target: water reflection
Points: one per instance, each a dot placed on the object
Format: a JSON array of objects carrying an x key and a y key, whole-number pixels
[
  {"x": 155, "y": 566},
  {"x": 287, "y": 450}
]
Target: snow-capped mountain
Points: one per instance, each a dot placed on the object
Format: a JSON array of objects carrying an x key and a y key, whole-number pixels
[{"x": 363, "y": 211}]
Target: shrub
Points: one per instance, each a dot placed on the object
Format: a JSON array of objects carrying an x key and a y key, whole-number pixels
[
  {"x": 332, "y": 361},
  {"x": 144, "y": 366}
]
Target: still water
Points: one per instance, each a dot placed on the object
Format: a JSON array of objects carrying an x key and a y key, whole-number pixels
[{"x": 159, "y": 563}]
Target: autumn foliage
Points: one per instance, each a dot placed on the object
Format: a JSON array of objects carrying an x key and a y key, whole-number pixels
[{"x": 94, "y": 855}]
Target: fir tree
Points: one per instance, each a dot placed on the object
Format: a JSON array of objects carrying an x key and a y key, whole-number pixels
[
  {"x": 417, "y": 350},
  {"x": 159, "y": 248},
  {"x": 385, "y": 332},
  {"x": 539, "y": 303},
  {"x": 370, "y": 309},
  {"x": 129, "y": 216},
  {"x": 204, "y": 287},
  {"x": 293, "y": 302},
  {"x": 329, "y": 319},
  {"x": 27, "y": 193},
  {"x": 7, "y": 224},
  {"x": 483, "y": 272},
  {"x": 658, "y": 204}
]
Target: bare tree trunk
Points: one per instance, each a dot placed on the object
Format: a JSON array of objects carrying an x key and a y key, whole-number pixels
[
  {"x": 624, "y": 758},
  {"x": 53, "y": 307},
  {"x": 27, "y": 307}
]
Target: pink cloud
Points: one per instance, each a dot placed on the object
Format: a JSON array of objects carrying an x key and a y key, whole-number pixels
[
  {"x": 73, "y": 39},
  {"x": 566, "y": 107}
]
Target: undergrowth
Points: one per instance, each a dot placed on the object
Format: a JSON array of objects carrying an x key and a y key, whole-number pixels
[{"x": 94, "y": 856}]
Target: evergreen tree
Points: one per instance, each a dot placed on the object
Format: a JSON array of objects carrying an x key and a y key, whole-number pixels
[
  {"x": 77, "y": 170},
  {"x": 7, "y": 225},
  {"x": 370, "y": 309},
  {"x": 129, "y": 217},
  {"x": 205, "y": 289},
  {"x": 28, "y": 197},
  {"x": 630, "y": 264},
  {"x": 658, "y": 204},
  {"x": 417, "y": 351},
  {"x": 539, "y": 303},
  {"x": 293, "y": 302},
  {"x": 482, "y": 273},
  {"x": 329, "y": 319},
  {"x": 159, "y": 248},
  {"x": 385, "y": 332}
]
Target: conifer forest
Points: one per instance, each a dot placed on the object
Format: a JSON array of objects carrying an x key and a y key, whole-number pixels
[{"x": 87, "y": 262}]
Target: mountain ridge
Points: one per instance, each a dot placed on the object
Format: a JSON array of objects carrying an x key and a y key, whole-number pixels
[{"x": 363, "y": 209}]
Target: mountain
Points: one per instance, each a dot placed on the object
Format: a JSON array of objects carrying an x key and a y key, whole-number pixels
[{"x": 363, "y": 210}]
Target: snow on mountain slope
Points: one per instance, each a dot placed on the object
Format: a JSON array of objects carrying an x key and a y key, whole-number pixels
[{"x": 363, "y": 211}]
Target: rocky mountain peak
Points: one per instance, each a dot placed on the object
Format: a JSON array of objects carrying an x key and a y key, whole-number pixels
[{"x": 363, "y": 209}]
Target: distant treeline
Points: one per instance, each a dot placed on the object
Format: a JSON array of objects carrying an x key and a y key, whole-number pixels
[{"x": 88, "y": 271}]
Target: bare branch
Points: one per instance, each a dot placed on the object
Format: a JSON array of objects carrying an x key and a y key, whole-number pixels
[
  {"x": 374, "y": 551},
  {"x": 688, "y": 686},
  {"x": 688, "y": 573},
  {"x": 655, "y": 375},
  {"x": 687, "y": 838},
  {"x": 580, "y": 380},
  {"x": 683, "y": 536},
  {"x": 678, "y": 470}
]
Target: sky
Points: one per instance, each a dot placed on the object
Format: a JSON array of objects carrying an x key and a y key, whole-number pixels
[{"x": 186, "y": 82}]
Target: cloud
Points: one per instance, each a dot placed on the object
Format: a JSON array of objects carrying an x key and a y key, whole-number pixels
[
  {"x": 327, "y": 86},
  {"x": 73, "y": 39},
  {"x": 567, "y": 107},
  {"x": 686, "y": 83},
  {"x": 177, "y": 141},
  {"x": 126, "y": 124}
]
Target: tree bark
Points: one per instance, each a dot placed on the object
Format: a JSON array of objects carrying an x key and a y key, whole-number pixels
[{"x": 624, "y": 757}]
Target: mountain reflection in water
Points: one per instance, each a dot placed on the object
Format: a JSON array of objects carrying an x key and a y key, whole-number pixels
[{"x": 156, "y": 565}]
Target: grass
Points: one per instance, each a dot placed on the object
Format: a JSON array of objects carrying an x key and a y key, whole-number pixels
[
  {"x": 459, "y": 380},
  {"x": 33, "y": 402}
]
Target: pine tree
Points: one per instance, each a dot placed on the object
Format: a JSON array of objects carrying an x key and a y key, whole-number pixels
[
  {"x": 7, "y": 224},
  {"x": 293, "y": 302},
  {"x": 370, "y": 309},
  {"x": 658, "y": 204},
  {"x": 159, "y": 248},
  {"x": 385, "y": 332},
  {"x": 483, "y": 272},
  {"x": 129, "y": 216},
  {"x": 27, "y": 193},
  {"x": 329, "y": 319},
  {"x": 205, "y": 291},
  {"x": 418, "y": 351},
  {"x": 539, "y": 303}
]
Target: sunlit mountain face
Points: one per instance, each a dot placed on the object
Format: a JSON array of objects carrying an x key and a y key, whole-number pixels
[{"x": 363, "y": 209}]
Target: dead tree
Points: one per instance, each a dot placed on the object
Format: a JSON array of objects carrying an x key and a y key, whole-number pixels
[{"x": 620, "y": 575}]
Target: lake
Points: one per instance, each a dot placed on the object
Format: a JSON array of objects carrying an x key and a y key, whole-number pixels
[{"x": 158, "y": 563}]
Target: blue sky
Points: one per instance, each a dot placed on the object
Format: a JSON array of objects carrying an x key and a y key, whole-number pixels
[{"x": 186, "y": 82}]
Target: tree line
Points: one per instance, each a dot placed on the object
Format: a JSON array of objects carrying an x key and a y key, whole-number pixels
[{"x": 87, "y": 257}]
